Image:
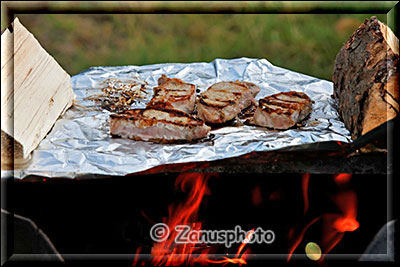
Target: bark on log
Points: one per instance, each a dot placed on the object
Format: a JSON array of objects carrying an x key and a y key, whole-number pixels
[{"x": 366, "y": 77}]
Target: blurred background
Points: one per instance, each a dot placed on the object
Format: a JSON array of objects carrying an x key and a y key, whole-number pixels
[{"x": 306, "y": 43}]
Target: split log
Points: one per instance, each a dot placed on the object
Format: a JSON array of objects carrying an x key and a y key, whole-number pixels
[
  {"x": 35, "y": 92},
  {"x": 366, "y": 78}
]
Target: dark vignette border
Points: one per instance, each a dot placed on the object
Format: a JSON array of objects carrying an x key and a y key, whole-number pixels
[{"x": 208, "y": 7}]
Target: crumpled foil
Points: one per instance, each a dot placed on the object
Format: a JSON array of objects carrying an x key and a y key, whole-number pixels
[{"x": 80, "y": 144}]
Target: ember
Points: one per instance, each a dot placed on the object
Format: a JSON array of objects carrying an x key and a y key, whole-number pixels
[{"x": 256, "y": 196}]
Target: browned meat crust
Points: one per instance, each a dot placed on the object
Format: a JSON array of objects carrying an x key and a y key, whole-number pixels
[
  {"x": 173, "y": 93},
  {"x": 282, "y": 110},
  {"x": 160, "y": 125},
  {"x": 223, "y": 101}
]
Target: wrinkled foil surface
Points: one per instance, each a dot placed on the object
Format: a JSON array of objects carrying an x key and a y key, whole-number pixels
[{"x": 79, "y": 145}]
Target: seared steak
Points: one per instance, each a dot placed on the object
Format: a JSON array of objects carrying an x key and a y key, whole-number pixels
[
  {"x": 172, "y": 93},
  {"x": 223, "y": 101},
  {"x": 157, "y": 125},
  {"x": 282, "y": 110},
  {"x": 255, "y": 89}
]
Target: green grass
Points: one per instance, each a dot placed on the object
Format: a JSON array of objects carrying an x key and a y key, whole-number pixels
[{"x": 306, "y": 43}]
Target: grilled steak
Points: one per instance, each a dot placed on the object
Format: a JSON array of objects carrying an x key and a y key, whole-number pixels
[
  {"x": 173, "y": 94},
  {"x": 253, "y": 87},
  {"x": 157, "y": 125},
  {"x": 223, "y": 101},
  {"x": 282, "y": 110}
]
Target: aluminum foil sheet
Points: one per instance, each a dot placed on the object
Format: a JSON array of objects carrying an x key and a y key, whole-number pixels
[{"x": 79, "y": 145}]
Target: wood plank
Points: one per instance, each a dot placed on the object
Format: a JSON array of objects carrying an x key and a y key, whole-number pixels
[{"x": 36, "y": 91}]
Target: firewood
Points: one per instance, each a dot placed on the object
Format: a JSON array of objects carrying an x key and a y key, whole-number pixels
[
  {"x": 366, "y": 78},
  {"x": 35, "y": 92}
]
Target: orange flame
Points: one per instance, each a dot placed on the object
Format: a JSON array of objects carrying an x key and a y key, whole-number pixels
[
  {"x": 137, "y": 253},
  {"x": 245, "y": 241},
  {"x": 236, "y": 260},
  {"x": 342, "y": 178},
  {"x": 345, "y": 224},
  {"x": 226, "y": 260},
  {"x": 169, "y": 253},
  {"x": 336, "y": 224},
  {"x": 296, "y": 240},
  {"x": 333, "y": 224}
]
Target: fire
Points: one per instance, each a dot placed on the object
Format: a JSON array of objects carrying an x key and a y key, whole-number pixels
[
  {"x": 256, "y": 196},
  {"x": 334, "y": 225},
  {"x": 246, "y": 240},
  {"x": 345, "y": 224},
  {"x": 168, "y": 252},
  {"x": 236, "y": 260},
  {"x": 347, "y": 203},
  {"x": 304, "y": 184},
  {"x": 136, "y": 259},
  {"x": 240, "y": 261},
  {"x": 342, "y": 178},
  {"x": 296, "y": 240}
]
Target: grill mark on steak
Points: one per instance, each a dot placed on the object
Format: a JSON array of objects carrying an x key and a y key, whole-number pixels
[
  {"x": 286, "y": 100},
  {"x": 165, "y": 81},
  {"x": 223, "y": 101},
  {"x": 158, "y": 125},
  {"x": 292, "y": 97},
  {"x": 139, "y": 114},
  {"x": 281, "y": 103},
  {"x": 170, "y": 97},
  {"x": 255, "y": 89},
  {"x": 211, "y": 102},
  {"x": 173, "y": 141},
  {"x": 226, "y": 103},
  {"x": 282, "y": 106},
  {"x": 173, "y": 93},
  {"x": 282, "y": 110}
]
